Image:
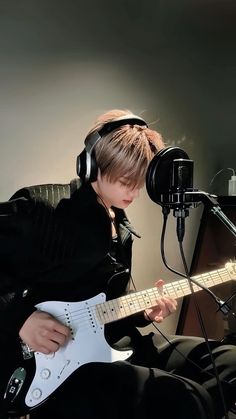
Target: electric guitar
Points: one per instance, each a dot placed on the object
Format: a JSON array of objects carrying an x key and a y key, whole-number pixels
[{"x": 86, "y": 320}]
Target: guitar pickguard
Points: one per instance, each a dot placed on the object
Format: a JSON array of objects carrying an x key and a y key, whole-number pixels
[{"x": 87, "y": 344}]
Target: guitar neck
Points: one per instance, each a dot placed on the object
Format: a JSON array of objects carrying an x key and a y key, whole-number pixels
[{"x": 136, "y": 302}]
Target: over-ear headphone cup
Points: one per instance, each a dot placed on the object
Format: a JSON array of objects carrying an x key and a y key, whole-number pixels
[
  {"x": 86, "y": 167},
  {"x": 81, "y": 164}
]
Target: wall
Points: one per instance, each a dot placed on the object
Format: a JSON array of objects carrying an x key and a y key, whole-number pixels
[{"x": 63, "y": 63}]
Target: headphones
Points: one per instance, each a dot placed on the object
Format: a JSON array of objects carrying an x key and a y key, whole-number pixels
[{"x": 86, "y": 165}]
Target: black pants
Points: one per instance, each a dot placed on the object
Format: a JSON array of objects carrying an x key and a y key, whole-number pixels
[
  {"x": 159, "y": 383},
  {"x": 196, "y": 364}
]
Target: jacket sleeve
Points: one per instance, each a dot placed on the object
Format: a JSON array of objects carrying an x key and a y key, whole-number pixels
[
  {"x": 15, "y": 243},
  {"x": 13, "y": 316}
]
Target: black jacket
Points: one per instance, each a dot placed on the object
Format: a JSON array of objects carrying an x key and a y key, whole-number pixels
[{"x": 62, "y": 253}]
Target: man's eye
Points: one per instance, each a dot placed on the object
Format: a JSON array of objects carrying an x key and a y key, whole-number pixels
[{"x": 123, "y": 183}]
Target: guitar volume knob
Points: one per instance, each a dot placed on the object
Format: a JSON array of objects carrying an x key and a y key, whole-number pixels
[
  {"x": 36, "y": 393},
  {"x": 45, "y": 373}
]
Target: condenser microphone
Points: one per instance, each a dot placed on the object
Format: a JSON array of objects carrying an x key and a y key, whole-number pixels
[
  {"x": 169, "y": 183},
  {"x": 170, "y": 178}
]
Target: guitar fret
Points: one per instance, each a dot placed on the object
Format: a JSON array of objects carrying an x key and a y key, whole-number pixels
[
  {"x": 183, "y": 288},
  {"x": 112, "y": 309},
  {"x": 178, "y": 289},
  {"x": 173, "y": 289}
]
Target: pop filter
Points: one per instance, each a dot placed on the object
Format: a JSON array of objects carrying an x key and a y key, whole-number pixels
[{"x": 169, "y": 174}]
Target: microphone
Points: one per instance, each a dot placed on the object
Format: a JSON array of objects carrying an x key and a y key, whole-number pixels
[
  {"x": 169, "y": 183},
  {"x": 170, "y": 177}
]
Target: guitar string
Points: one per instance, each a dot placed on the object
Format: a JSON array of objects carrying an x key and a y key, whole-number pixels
[
  {"x": 171, "y": 289},
  {"x": 111, "y": 311}
]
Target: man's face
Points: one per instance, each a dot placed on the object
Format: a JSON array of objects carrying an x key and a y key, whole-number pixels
[{"x": 118, "y": 194}]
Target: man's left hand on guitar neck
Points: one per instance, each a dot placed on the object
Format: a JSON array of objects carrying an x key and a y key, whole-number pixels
[{"x": 164, "y": 307}]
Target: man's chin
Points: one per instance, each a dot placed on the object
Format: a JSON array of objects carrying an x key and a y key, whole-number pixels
[{"x": 123, "y": 204}]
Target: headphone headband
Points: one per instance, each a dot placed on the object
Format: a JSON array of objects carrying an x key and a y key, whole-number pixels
[
  {"x": 119, "y": 122},
  {"x": 95, "y": 136}
]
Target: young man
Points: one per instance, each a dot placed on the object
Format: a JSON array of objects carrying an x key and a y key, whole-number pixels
[{"x": 75, "y": 252}]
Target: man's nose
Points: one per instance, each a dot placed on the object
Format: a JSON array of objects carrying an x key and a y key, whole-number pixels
[{"x": 134, "y": 193}]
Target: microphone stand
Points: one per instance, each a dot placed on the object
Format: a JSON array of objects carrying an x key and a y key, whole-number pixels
[
  {"x": 180, "y": 213},
  {"x": 212, "y": 203}
]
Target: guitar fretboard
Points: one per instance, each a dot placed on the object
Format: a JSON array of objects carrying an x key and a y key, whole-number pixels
[{"x": 136, "y": 302}]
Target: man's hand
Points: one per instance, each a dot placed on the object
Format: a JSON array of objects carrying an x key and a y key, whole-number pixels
[
  {"x": 43, "y": 333},
  {"x": 164, "y": 307}
]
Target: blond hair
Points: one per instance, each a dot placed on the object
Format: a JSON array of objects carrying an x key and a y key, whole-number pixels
[{"x": 127, "y": 150}]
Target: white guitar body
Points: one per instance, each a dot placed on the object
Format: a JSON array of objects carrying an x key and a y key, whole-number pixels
[{"x": 88, "y": 344}]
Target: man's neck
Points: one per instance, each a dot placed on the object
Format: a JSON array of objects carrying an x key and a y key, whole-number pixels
[{"x": 100, "y": 199}]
